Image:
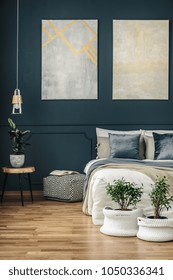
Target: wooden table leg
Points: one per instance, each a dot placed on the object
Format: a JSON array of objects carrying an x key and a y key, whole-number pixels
[
  {"x": 21, "y": 191},
  {"x": 4, "y": 185},
  {"x": 30, "y": 185}
]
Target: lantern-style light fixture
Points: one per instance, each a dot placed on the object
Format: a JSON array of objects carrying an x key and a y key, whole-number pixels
[{"x": 17, "y": 98}]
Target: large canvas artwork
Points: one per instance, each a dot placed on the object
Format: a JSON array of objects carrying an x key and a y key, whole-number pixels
[
  {"x": 69, "y": 59},
  {"x": 140, "y": 59}
]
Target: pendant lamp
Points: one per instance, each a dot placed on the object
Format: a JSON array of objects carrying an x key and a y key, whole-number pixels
[{"x": 17, "y": 98}]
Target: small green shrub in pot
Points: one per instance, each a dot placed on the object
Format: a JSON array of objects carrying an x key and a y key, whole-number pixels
[
  {"x": 122, "y": 221},
  {"x": 160, "y": 197},
  {"x": 157, "y": 228},
  {"x": 124, "y": 193}
]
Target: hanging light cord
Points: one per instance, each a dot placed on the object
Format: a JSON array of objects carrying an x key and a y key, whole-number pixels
[{"x": 17, "y": 47}]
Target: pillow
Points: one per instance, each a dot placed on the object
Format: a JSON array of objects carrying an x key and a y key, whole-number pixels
[
  {"x": 149, "y": 142},
  {"x": 103, "y": 149},
  {"x": 124, "y": 145},
  {"x": 163, "y": 146}
]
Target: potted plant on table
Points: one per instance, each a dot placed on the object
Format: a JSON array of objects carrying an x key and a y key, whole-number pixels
[
  {"x": 158, "y": 227},
  {"x": 122, "y": 221},
  {"x": 19, "y": 140}
]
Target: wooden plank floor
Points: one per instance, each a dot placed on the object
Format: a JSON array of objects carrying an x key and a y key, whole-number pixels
[{"x": 48, "y": 230}]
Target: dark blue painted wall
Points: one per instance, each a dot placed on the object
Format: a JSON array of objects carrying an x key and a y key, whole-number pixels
[{"x": 63, "y": 132}]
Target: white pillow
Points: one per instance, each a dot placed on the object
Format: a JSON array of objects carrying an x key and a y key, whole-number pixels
[
  {"x": 149, "y": 142},
  {"x": 103, "y": 150}
]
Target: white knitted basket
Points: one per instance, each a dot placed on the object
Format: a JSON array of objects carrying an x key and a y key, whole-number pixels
[
  {"x": 120, "y": 223},
  {"x": 158, "y": 230}
]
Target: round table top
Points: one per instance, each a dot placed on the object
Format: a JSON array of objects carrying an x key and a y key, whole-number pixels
[{"x": 13, "y": 170}]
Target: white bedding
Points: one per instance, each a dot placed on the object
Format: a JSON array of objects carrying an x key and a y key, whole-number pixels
[{"x": 96, "y": 198}]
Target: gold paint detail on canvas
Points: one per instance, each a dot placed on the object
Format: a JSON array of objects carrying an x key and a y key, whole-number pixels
[
  {"x": 140, "y": 59},
  {"x": 91, "y": 29},
  {"x": 88, "y": 48}
]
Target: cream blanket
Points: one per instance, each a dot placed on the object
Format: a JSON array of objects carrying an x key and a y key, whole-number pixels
[{"x": 96, "y": 196}]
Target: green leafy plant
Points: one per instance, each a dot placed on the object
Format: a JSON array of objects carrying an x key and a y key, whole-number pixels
[
  {"x": 124, "y": 193},
  {"x": 18, "y": 137},
  {"x": 160, "y": 197}
]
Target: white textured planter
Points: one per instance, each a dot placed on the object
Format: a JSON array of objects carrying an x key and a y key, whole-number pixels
[
  {"x": 120, "y": 223},
  {"x": 158, "y": 230},
  {"x": 17, "y": 161}
]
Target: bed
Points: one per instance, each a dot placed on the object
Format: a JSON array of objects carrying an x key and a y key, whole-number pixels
[{"x": 137, "y": 156}]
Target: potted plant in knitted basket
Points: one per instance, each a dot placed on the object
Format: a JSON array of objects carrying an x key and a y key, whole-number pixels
[
  {"x": 157, "y": 227},
  {"x": 19, "y": 139},
  {"x": 122, "y": 221}
]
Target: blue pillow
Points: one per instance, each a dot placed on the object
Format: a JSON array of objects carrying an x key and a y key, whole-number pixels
[
  {"x": 124, "y": 145},
  {"x": 163, "y": 146}
]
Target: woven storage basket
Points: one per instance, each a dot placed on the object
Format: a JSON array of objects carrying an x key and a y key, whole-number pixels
[
  {"x": 158, "y": 230},
  {"x": 120, "y": 223},
  {"x": 68, "y": 188}
]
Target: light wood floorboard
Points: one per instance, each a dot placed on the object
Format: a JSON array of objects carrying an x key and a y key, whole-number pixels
[{"x": 51, "y": 230}]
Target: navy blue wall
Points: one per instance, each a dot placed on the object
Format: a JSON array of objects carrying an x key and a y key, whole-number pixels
[{"x": 63, "y": 132}]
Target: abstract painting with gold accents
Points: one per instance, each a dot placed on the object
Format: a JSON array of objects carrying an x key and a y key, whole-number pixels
[
  {"x": 69, "y": 59},
  {"x": 140, "y": 59}
]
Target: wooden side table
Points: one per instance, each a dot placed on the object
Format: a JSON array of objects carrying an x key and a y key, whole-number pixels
[{"x": 19, "y": 171}]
